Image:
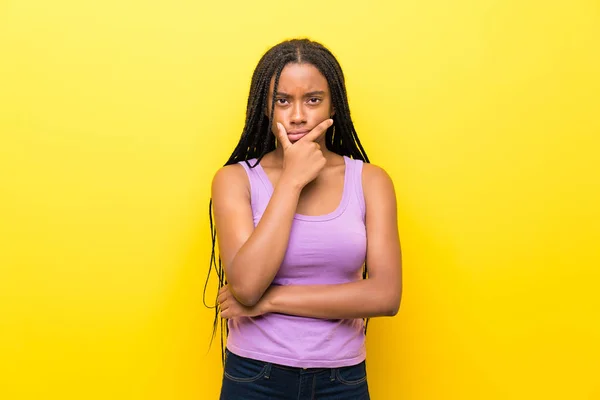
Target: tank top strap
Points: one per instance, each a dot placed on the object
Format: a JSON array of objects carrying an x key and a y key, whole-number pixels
[
  {"x": 258, "y": 194},
  {"x": 355, "y": 171}
]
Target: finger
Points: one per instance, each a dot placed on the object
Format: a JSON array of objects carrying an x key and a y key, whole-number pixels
[
  {"x": 318, "y": 131},
  {"x": 222, "y": 294},
  {"x": 282, "y": 136},
  {"x": 221, "y": 299},
  {"x": 225, "y": 312}
]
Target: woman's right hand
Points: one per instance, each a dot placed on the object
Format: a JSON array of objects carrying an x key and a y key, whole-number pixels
[{"x": 302, "y": 160}]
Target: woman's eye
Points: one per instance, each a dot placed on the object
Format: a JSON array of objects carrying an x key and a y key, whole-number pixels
[
  {"x": 281, "y": 101},
  {"x": 314, "y": 100}
]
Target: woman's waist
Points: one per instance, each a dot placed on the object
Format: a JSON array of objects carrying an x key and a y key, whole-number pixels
[{"x": 296, "y": 339}]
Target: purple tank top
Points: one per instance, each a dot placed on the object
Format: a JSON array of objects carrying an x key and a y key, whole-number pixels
[{"x": 324, "y": 249}]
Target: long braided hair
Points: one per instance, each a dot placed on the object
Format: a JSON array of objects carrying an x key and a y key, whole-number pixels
[{"x": 256, "y": 139}]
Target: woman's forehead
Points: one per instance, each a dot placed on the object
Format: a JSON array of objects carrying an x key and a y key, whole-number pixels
[{"x": 303, "y": 76}]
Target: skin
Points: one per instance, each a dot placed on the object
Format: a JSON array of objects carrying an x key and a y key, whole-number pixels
[{"x": 307, "y": 179}]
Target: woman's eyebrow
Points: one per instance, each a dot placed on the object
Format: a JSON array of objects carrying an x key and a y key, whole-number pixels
[{"x": 309, "y": 94}]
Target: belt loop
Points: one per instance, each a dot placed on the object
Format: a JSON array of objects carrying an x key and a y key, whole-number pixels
[
  {"x": 268, "y": 370},
  {"x": 332, "y": 375}
]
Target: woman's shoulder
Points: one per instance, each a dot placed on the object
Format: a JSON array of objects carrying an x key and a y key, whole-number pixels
[
  {"x": 374, "y": 171},
  {"x": 230, "y": 171},
  {"x": 230, "y": 177},
  {"x": 375, "y": 179}
]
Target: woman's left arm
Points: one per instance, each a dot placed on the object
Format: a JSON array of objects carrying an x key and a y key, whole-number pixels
[{"x": 379, "y": 295}]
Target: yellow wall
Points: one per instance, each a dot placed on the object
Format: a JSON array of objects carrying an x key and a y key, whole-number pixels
[{"x": 114, "y": 116}]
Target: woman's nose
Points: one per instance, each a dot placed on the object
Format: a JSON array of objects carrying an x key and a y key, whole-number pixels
[{"x": 297, "y": 114}]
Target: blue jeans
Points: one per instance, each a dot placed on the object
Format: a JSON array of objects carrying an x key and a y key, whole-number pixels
[{"x": 248, "y": 379}]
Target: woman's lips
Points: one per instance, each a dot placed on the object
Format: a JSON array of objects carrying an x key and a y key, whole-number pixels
[{"x": 294, "y": 136}]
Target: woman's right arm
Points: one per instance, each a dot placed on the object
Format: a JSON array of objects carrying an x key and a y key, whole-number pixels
[{"x": 251, "y": 257}]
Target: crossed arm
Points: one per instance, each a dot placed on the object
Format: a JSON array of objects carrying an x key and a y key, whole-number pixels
[{"x": 379, "y": 295}]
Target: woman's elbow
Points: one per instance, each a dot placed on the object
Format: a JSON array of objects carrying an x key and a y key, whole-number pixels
[
  {"x": 246, "y": 295},
  {"x": 392, "y": 311},
  {"x": 393, "y": 305}
]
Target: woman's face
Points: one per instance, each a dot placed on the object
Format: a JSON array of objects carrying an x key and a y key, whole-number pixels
[{"x": 302, "y": 101}]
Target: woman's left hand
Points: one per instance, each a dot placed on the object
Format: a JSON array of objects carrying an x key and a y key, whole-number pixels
[{"x": 231, "y": 308}]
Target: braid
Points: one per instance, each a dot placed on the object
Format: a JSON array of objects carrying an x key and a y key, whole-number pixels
[{"x": 256, "y": 139}]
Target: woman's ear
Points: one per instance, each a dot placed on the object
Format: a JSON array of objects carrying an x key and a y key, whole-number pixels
[{"x": 332, "y": 112}]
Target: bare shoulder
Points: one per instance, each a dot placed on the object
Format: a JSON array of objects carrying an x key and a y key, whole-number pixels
[
  {"x": 376, "y": 180},
  {"x": 380, "y": 201},
  {"x": 230, "y": 178}
]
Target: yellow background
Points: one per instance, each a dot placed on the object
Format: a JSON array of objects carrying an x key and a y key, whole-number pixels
[{"x": 114, "y": 115}]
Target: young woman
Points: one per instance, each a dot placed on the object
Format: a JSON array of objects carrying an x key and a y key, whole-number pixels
[{"x": 299, "y": 213}]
